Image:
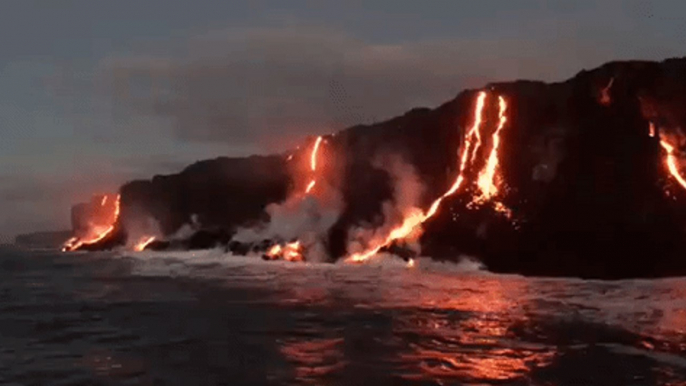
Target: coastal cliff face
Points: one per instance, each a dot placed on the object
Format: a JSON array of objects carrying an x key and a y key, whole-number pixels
[{"x": 586, "y": 179}]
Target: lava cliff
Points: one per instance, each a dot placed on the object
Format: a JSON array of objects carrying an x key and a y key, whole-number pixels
[{"x": 585, "y": 182}]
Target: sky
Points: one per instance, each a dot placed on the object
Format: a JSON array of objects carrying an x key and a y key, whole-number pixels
[{"x": 94, "y": 93}]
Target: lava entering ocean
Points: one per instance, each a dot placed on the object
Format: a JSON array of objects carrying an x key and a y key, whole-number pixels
[
  {"x": 486, "y": 181},
  {"x": 293, "y": 251},
  {"x": 100, "y": 225},
  {"x": 143, "y": 243}
]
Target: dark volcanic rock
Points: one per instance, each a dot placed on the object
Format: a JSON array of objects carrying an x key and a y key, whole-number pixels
[
  {"x": 587, "y": 188},
  {"x": 223, "y": 192}
]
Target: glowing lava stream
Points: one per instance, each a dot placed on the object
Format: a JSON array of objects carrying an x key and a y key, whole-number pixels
[
  {"x": 313, "y": 164},
  {"x": 76, "y": 243},
  {"x": 145, "y": 241},
  {"x": 485, "y": 182},
  {"x": 671, "y": 162},
  {"x": 417, "y": 217},
  {"x": 291, "y": 252},
  {"x": 605, "y": 98}
]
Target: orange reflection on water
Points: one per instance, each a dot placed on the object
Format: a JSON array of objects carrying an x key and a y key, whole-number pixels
[
  {"x": 314, "y": 358},
  {"x": 469, "y": 338}
]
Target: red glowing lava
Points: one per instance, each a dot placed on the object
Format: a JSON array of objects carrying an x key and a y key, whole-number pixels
[
  {"x": 143, "y": 243},
  {"x": 486, "y": 182},
  {"x": 313, "y": 164},
  {"x": 605, "y": 98},
  {"x": 96, "y": 231},
  {"x": 671, "y": 162},
  {"x": 417, "y": 217},
  {"x": 290, "y": 252}
]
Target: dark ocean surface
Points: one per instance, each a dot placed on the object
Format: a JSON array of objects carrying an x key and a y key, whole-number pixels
[{"x": 207, "y": 318}]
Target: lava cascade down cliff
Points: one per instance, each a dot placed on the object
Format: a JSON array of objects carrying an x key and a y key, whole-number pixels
[{"x": 576, "y": 178}]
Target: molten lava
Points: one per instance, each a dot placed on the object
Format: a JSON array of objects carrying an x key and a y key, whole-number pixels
[
  {"x": 313, "y": 164},
  {"x": 652, "y": 129},
  {"x": 671, "y": 162},
  {"x": 293, "y": 252},
  {"x": 143, "y": 243},
  {"x": 416, "y": 217},
  {"x": 486, "y": 182},
  {"x": 605, "y": 98},
  {"x": 274, "y": 252},
  {"x": 480, "y": 102},
  {"x": 290, "y": 252},
  {"x": 96, "y": 232}
]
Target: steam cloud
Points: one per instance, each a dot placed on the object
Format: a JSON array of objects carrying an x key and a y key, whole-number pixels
[{"x": 407, "y": 193}]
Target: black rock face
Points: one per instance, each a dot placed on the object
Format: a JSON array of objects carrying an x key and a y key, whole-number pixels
[{"x": 587, "y": 188}]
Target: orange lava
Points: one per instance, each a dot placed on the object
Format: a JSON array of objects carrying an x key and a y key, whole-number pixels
[
  {"x": 671, "y": 162},
  {"x": 481, "y": 100},
  {"x": 652, "y": 129},
  {"x": 605, "y": 98},
  {"x": 293, "y": 252},
  {"x": 290, "y": 252},
  {"x": 416, "y": 217},
  {"x": 313, "y": 164},
  {"x": 144, "y": 242},
  {"x": 96, "y": 232},
  {"x": 486, "y": 182},
  {"x": 274, "y": 252}
]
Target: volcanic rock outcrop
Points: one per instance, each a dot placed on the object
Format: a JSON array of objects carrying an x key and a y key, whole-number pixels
[{"x": 587, "y": 174}]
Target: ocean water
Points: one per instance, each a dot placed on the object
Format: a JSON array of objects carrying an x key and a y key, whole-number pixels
[{"x": 207, "y": 318}]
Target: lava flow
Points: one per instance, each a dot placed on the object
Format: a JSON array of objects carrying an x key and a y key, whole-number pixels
[
  {"x": 290, "y": 252},
  {"x": 313, "y": 164},
  {"x": 605, "y": 98},
  {"x": 294, "y": 251},
  {"x": 415, "y": 218},
  {"x": 671, "y": 159},
  {"x": 486, "y": 181},
  {"x": 95, "y": 232},
  {"x": 143, "y": 243}
]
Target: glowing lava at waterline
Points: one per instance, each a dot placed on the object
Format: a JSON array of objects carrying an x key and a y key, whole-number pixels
[
  {"x": 416, "y": 217},
  {"x": 294, "y": 251},
  {"x": 96, "y": 233},
  {"x": 143, "y": 243}
]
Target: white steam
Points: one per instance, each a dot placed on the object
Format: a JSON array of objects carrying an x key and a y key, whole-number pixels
[{"x": 307, "y": 218}]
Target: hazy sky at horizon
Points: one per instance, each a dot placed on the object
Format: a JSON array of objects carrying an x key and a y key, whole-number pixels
[{"x": 95, "y": 93}]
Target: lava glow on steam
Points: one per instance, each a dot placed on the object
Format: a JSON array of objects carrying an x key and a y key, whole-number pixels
[
  {"x": 294, "y": 251},
  {"x": 96, "y": 232},
  {"x": 290, "y": 252},
  {"x": 473, "y": 137}
]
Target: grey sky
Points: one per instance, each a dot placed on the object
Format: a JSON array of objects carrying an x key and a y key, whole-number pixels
[{"x": 95, "y": 92}]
